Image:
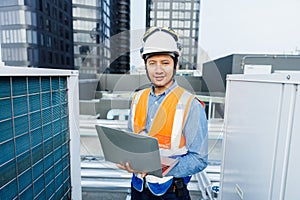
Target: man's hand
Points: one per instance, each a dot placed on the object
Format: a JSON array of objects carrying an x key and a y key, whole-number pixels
[{"x": 128, "y": 168}]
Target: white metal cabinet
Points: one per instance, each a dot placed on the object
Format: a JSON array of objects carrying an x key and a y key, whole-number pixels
[{"x": 261, "y": 137}]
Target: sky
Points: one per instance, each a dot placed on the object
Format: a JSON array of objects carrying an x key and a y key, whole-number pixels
[{"x": 236, "y": 26}]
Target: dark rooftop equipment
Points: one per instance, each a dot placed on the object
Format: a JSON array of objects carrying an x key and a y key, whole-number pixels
[{"x": 215, "y": 72}]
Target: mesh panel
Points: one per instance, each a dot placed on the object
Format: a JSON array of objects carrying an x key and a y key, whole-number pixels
[{"x": 34, "y": 138}]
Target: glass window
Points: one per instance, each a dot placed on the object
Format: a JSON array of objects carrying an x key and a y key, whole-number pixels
[
  {"x": 21, "y": 17},
  {"x": 22, "y": 54},
  {"x": 166, "y": 15},
  {"x": 84, "y": 25},
  {"x": 151, "y": 14},
  {"x": 181, "y": 15},
  {"x": 160, "y": 5},
  {"x": 187, "y": 24},
  {"x": 4, "y": 18},
  {"x": 29, "y": 36},
  {"x": 188, "y": 6},
  {"x": 180, "y": 23},
  {"x": 159, "y": 14},
  {"x": 42, "y": 39},
  {"x": 28, "y": 18},
  {"x": 34, "y": 37},
  {"x": 175, "y": 15},
  {"x": 88, "y": 13},
  {"x": 175, "y": 23},
  {"x": 167, "y": 5},
  {"x": 187, "y": 15},
  {"x": 160, "y": 23},
  {"x": 48, "y": 42},
  {"x": 196, "y": 6},
  {"x": 194, "y": 15},
  {"x": 176, "y": 6},
  {"x": 33, "y": 18}
]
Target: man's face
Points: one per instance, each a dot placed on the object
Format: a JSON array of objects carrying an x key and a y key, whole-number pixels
[{"x": 160, "y": 70}]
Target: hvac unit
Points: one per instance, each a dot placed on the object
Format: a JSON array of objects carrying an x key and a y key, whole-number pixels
[
  {"x": 262, "y": 137},
  {"x": 39, "y": 134}
]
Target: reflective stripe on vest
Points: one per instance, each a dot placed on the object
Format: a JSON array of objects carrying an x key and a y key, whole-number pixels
[{"x": 168, "y": 121}]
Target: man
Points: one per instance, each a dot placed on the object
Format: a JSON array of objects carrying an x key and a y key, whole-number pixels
[{"x": 172, "y": 115}]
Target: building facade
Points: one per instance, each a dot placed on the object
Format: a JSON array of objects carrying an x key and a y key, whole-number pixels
[
  {"x": 91, "y": 24},
  {"x": 37, "y": 33},
  {"x": 120, "y": 37},
  {"x": 183, "y": 17}
]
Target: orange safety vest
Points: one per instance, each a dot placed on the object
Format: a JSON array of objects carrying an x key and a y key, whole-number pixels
[{"x": 169, "y": 120}]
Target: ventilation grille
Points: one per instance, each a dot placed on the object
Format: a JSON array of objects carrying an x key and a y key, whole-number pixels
[{"x": 34, "y": 138}]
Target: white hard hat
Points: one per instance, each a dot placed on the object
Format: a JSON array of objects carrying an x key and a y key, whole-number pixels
[{"x": 160, "y": 40}]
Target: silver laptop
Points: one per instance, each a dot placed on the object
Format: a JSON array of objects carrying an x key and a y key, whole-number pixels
[{"x": 121, "y": 146}]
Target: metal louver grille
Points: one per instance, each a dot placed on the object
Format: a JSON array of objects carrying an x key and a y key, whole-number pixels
[{"x": 34, "y": 138}]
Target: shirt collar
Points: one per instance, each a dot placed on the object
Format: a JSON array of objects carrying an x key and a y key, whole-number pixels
[{"x": 167, "y": 91}]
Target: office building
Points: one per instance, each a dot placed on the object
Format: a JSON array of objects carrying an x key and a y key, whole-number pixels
[
  {"x": 37, "y": 33},
  {"x": 120, "y": 37},
  {"x": 183, "y": 17},
  {"x": 91, "y": 24}
]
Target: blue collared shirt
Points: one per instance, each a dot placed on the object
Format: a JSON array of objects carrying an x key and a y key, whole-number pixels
[{"x": 195, "y": 132}]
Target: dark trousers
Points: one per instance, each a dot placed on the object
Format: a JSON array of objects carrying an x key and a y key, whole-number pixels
[{"x": 169, "y": 195}]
